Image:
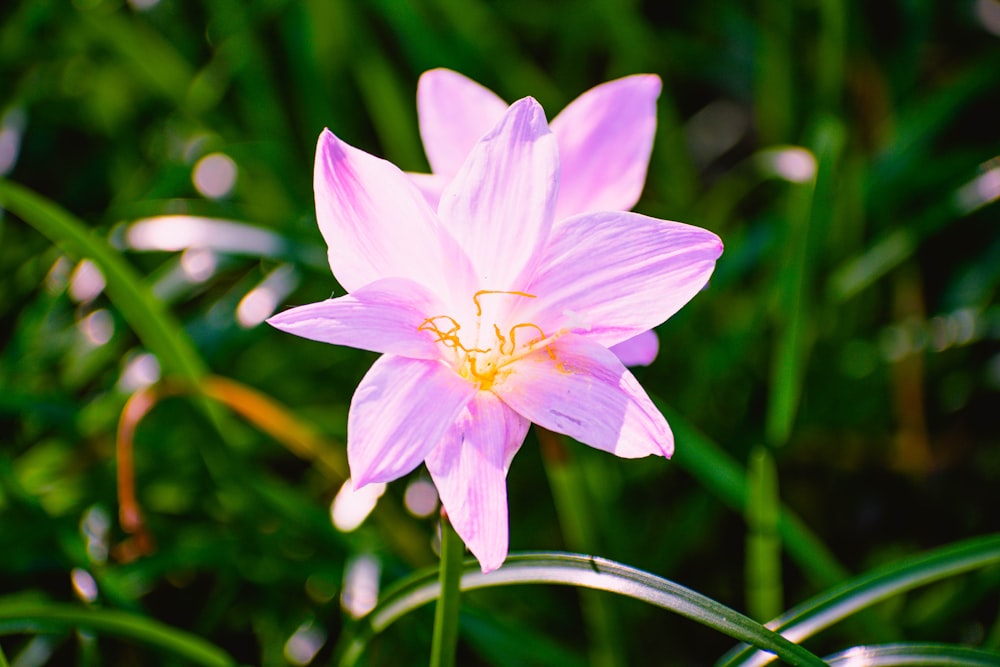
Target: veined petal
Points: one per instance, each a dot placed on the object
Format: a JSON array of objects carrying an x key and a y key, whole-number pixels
[
  {"x": 430, "y": 185},
  {"x": 454, "y": 113},
  {"x": 400, "y": 412},
  {"x": 500, "y": 205},
  {"x": 579, "y": 388},
  {"x": 469, "y": 469},
  {"x": 610, "y": 276},
  {"x": 385, "y": 316},
  {"x": 376, "y": 223},
  {"x": 605, "y": 138},
  {"x": 639, "y": 350}
]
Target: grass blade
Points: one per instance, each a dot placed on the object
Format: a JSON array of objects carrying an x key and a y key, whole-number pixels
[
  {"x": 19, "y": 617},
  {"x": 575, "y": 509},
  {"x": 574, "y": 570},
  {"x": 826, "y": 609},
  {"x": 146, "y": 314},
  {"x": 915, "y": 655},
  {"x": 727, "y": 480},
  {"x": 764, "y": 592}
]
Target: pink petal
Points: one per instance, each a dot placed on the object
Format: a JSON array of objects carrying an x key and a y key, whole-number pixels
[
  {"x": 605, "y": 139},
  {"x": 579, "y": 388},
  {"x": 375, "y": 222},
  {"x": 430, "y": 186},
  {"x": 385, "y": 316},
  {"x": 640, "y": 350},
  {"x": 611, "y": 276},
  {"x": 469, "y": 469},
  {"x": 400, "y": 412},
  {"x": 500, "y": 204},
  {"x": 454, "y": 113}
]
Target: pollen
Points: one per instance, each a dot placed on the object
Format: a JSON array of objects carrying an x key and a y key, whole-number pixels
[{"x": 483, "y": 352}]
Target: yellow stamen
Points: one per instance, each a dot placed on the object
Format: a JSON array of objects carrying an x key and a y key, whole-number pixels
[
  {"x": 483, "y": 366},
  {"x": 530, "y": 325},
  {"x": 482, "y": 292}
]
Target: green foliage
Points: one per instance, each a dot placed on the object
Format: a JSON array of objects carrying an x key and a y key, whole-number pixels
[{"x": 833, "y": 391}]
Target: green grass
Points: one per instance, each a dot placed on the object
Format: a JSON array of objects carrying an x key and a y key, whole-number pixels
[{"x": 833, "y": 391}]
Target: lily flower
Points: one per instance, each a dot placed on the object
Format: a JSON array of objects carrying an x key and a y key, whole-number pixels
[
  {"x": 605, "y": 137},
  {"x": 489, "y": 315}
]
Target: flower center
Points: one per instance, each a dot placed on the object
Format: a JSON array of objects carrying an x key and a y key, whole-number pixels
[{"x": 484, "y": 355}]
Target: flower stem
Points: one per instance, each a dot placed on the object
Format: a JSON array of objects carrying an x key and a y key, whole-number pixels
[{"x": 446, "y": 613}]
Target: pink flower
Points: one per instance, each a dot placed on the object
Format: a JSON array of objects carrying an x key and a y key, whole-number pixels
[
  {"x": 490, "y": 315},
  {"x": 605, "y": 137}
]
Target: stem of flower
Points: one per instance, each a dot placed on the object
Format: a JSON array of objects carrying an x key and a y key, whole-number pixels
[{"x": 446, "y": 613}]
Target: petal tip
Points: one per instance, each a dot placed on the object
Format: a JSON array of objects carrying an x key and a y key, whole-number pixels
[{"x": 490, "y": 566}]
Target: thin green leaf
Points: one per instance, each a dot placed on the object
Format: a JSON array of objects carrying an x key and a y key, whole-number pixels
[
  {"x": 573, "y": 570},
  {"x": 764, "y": 592},
  {"x": 506, "y": 642},
  {"x": 575, "y": 510},
  {"x": 897, "y": 245},
  {"x": 773, "y": 85},
  {"x": 826, "y": 609},
  {"x": 914, "y": 655},
  {"x": 21, "y": 617},
  {"x": 146, "y": 314},
  {"x": 727, "y": 480}
]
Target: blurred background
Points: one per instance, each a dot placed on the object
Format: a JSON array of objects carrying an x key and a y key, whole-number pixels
[{"x": 844, "y": 358}]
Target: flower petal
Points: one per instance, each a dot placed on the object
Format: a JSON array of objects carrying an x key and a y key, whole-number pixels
[
  {"x": 400, "y": 412},
  {"x": 430, "y": 186},
  {"x": 376, "y": 223},
  {"x": 385, "y": 316},
  {"x": 605, "y": 138},
  {"x": 639, "y": 350},
  {"x": 579, "y": 388},
  {"x": 469, "y": 469},
  {"x": 500, "y": 204},
  {"x": 611, "y": 276},
  {"x": 454, "y": 113}
]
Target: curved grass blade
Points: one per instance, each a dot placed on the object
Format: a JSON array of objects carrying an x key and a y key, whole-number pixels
[
  {"x": 146, "y": 314},
  {"x": 574, "y": 570},
  {"x": 19, "y": 617},
  {"x": 838, "y": 603},
  {"x": 726, "y": 479},
  {"x": 914, "y": 655}
]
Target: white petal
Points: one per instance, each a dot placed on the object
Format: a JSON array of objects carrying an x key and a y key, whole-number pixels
[
  {"x": 469, "y": 470},
  {"x": 639, "y": 350},
  {"x": 376, "y": 223},
  {"x": 454, "y": 113},
  {"x": 605, "y": 139},
  {"x": 582, "y": 390},
  {"x": 400, "y": 412},
  {"x": 501, "y": 203},
  {"x": 611, "y": 276},
  {"x": 386, "y": 316}
]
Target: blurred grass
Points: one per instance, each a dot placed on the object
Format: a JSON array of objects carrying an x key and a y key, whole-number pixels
[{"x": 852, "y": 323}]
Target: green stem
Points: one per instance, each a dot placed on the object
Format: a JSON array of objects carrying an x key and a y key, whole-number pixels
[
  {"x": 446, "y": 614},
  {"x": 763, "y": 551},
  {"x": 3, "y": 659}
]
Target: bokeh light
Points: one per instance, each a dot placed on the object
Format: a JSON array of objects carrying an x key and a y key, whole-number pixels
[
  {"x": 351, "y": 507},
  {"x": 214, "y": 175},
  {"x": 361, "y": 577}
]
